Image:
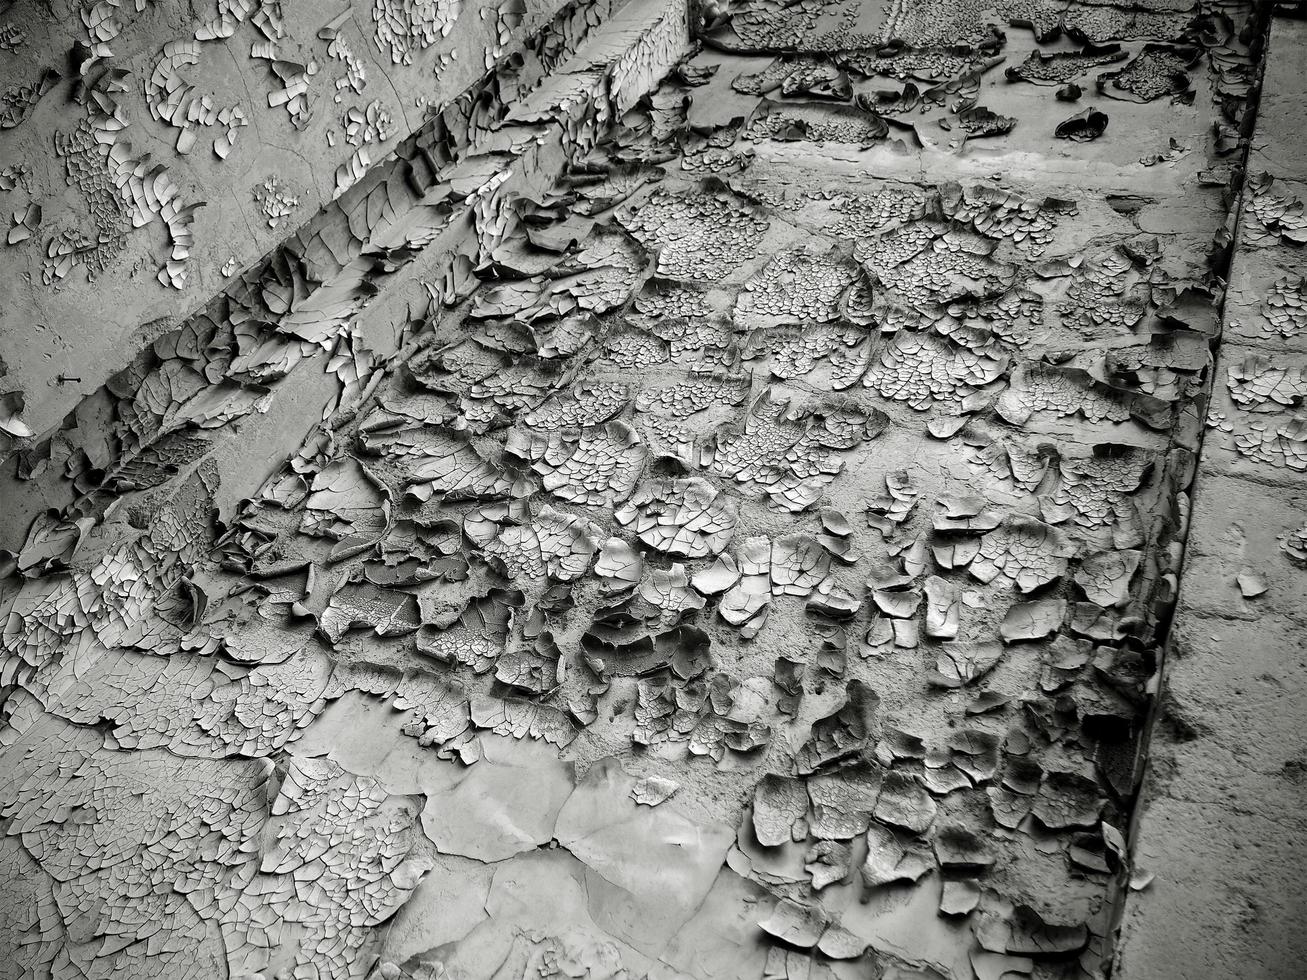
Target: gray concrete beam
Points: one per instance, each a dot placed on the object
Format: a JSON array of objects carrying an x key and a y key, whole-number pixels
[{"x": 1223, "y": 811}]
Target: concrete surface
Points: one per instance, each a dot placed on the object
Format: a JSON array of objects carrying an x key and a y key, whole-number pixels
[{"x": 1221, "y": 836}]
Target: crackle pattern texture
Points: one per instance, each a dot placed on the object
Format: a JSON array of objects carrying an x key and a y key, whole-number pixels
[{"x": 692, "y": 506}]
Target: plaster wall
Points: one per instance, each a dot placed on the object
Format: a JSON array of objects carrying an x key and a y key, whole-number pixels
[
  {"x": 1218, "y": 849},
  {"x": 59, "y": 340}
]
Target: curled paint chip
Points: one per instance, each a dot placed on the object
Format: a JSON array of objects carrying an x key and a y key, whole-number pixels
[
  {"x": 779, "y": 802},
  {"x": 687, "y": 518},
  {"x": 1025, "y": 552},
  {"x": 554, "y": 545},
  {"x": 843, "y": 733},
  {"x": 794, "y": 923},
  {"x": 1084, "y": 126},
  {"x": 1033, "y": 620}
]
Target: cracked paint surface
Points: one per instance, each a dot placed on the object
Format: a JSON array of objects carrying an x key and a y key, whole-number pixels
[{"x": 739, "y": 541}]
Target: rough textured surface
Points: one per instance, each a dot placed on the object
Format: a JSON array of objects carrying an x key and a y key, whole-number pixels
[
  {"x": 86, "y": 312},
  {"x": 1221, "y": 819},
  {"x": 711, "y": 503}
]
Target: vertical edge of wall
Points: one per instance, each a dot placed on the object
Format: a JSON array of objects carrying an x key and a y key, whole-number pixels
[{"x": 1222, "y": 813}]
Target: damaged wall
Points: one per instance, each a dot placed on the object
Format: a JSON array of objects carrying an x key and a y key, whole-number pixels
[
  {"x": 739, "y": 540},
  {"x": 1221, "y": 812},
  {"x": 171, "y": 145}
]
